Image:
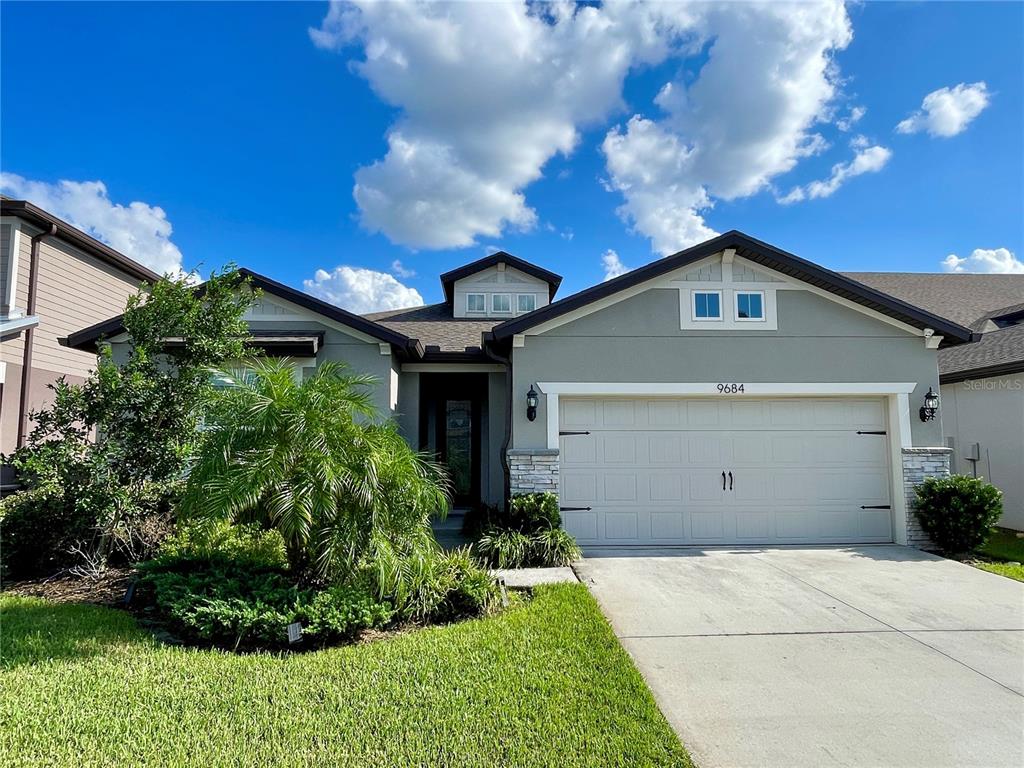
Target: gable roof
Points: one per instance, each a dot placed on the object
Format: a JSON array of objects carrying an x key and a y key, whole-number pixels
[
  {"x": 967, "y": 299},
  {"x": 87, "y": 338},
  {"x": 448, "y": 278},
  {"x": 760, "y": 253},
  {"x": 37, "y": 217}
]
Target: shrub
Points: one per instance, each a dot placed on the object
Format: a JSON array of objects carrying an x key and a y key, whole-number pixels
[
  {"x": 530, "y": 512},
  {"x": 220, "y": 541},
  {"x": 958, "y": 512},
  {"x": 479, "y": 518},
  {"x": 453, "y": 586},
  {"x": 38, "y": 530},
  {"x": 509, "y": 548},
  {"x": 235, "y": 607}
]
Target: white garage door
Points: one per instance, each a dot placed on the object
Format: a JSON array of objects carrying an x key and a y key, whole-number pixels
[{"x": 724, "y": 471}]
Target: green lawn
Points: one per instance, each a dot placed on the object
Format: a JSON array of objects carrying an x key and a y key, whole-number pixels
[
  {"x": 1004, "y": 545},
  {"x": 544, "y": 684}
]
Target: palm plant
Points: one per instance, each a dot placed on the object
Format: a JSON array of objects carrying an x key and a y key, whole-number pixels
[{"x": 315, "y": 461}]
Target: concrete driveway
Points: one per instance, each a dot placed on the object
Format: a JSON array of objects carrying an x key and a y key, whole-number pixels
[{"x": 863, "y": 656}]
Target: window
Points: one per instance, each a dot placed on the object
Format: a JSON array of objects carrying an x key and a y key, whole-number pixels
[
  {"x": 749, "y": 305},
  {"x": 526, "y": 302},
  {"x": 501, "y": 302},
  {"x": 707, "y": 305},
  {"x": 476, "y": 302}
]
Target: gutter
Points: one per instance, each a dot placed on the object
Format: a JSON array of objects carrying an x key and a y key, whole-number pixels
[
  {"x": 30, "y": 333},
  {"x": 506, "y": 471}
]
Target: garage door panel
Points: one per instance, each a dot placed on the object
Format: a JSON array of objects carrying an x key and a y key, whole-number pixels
[{"x": 652, "y": 470}]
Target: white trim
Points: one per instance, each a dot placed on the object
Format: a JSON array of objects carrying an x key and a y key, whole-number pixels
[
  {"x": 385, "y": 348},
  {"x": 17, "y": 324},
  {"x": 476, "y": 311},
  {"x": 3, "y": 372},
  {"x": 899, "y": 438},
  {"x": 495, "y": 311},
  {"x": 12, "y": 261},
  {"x": 693, "y": 305},
  {"x": 453, "y": 368},
  {"x": 519, "y": 340},
  {"x": 736, "y": 306},
  {"x": 551, "y": 404},
  {"x": 932, "y": 342},
  {"x": 751, "y": 389}
]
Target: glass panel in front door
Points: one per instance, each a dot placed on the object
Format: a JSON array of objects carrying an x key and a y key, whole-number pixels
[{"x": 459, "y": 445}]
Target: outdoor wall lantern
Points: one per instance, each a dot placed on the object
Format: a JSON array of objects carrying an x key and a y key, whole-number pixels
[
  {"x": 930, "y": 407},
  {"x": 531, "y": 404}
]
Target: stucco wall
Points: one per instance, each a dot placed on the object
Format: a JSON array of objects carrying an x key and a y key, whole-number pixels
[
  {"x": 989, "y": 412},
  {"x": 639, "y": 340}
]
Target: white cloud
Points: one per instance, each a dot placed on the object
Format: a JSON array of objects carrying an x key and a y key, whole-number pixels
[
  {"x": 868, "y": 159},
  {"x": 948, "y": 111},
  {"x": 613, "y": 266},
  {"x": 747, "y": 117},
  {"x": 487, "y": 93},
  {"x": 362, "y": 290},
  {"x": 990, "y": 260},
  {"x": 851, "y": 119},
  {"x": 401, "y": 270},
  {"x": 139, "y": 231}
]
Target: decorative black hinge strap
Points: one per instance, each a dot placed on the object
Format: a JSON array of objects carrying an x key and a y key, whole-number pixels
[
  {"x": 570, "y": 432},
  {"x": 879, "y": 506},
  {"x": 574, "y": 509},
  {"x": 872, "y": 432}
]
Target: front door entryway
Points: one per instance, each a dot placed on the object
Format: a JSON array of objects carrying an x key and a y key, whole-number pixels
[{"x": 450, "y": 415}]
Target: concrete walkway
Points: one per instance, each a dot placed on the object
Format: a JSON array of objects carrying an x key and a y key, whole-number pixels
[{"x": 865, "y": 656}]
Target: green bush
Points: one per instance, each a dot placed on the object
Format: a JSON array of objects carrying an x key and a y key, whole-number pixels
[
  {"x": 530, "y": 512},
  {"x": 453, "y": 586},
  {"x": 545, "y": 548},
  {"x": 236, "y": 607},
  {"x": 38, "y": 529},
  {"x": 220, "y": 541},
  {"x": 958, "y": 512}
]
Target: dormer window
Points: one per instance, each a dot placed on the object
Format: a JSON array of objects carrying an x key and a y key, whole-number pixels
[
  {"x": 476, "y": 302},
  {"x": 501, "y": 303}
]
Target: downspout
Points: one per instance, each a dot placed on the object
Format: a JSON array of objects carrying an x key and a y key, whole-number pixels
[
  {"x": 505, "y": 469},
  {"x": 30, "y": 310}
]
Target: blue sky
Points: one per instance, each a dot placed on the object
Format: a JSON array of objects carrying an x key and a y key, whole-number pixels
[{"x": 546, "y": 138}]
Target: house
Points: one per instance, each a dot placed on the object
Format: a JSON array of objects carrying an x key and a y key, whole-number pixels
[
  {"x": 982, "y": 384},
  {"x": 54, "y": 279},
  {"x": 731, "y": 393}
]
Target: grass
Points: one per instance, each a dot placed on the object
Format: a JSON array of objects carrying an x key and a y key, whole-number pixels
[
  {"x": 1003, "y": 546},
  {"x": 544, "y": 684}
]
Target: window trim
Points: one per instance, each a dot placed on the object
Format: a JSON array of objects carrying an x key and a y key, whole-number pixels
[
  {"x": 519, "y": 309},
  {"x": 736, "y": 307},
  {"x": 495, "y": 310},
  {"x": 693, "y": 306},
  {"x": 476, "y": 311}
]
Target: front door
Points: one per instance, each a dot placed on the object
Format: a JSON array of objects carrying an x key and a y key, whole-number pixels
[{"x": 454, "y": 403}]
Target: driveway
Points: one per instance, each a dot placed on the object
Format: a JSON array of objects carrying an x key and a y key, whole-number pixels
[{"x": 862, "y": 656}]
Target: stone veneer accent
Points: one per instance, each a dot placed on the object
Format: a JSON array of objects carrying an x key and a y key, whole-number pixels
[
  {"x": 533, "y": 470},
  {"x": 919, "y": 463}
]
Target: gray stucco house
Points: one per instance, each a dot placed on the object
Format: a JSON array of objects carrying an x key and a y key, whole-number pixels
[{"x": 731, "y": 393}]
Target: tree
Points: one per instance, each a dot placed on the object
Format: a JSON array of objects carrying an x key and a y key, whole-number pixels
[
  {"x": 314, "y": 461},
  {"x": 142, "y": 405}
]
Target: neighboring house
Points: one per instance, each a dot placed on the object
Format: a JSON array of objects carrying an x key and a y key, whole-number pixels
[
  {"x": 53, "y": 280},
  {"x": 983, "y": 383},
  {"x": 729, "y": 394}
]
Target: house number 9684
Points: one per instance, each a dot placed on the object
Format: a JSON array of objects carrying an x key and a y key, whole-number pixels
[{"x": 730, "y": 389}]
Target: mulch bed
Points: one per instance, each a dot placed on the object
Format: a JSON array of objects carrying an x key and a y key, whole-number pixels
[{"x": 107, "y": 589}]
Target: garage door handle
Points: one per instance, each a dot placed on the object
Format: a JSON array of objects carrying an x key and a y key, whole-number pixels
[
  {"x": 574, "y": 432},
  {"x": 730, "y": 481},
  {"x": 879, "y": 506},
  {"x": 723, "y": 481},
  {"x": 574, "y": 509}
]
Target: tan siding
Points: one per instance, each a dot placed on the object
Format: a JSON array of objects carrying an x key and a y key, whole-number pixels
[
  {"x": 5, "y": 261},
  {"x": 76, "y": 290}
]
